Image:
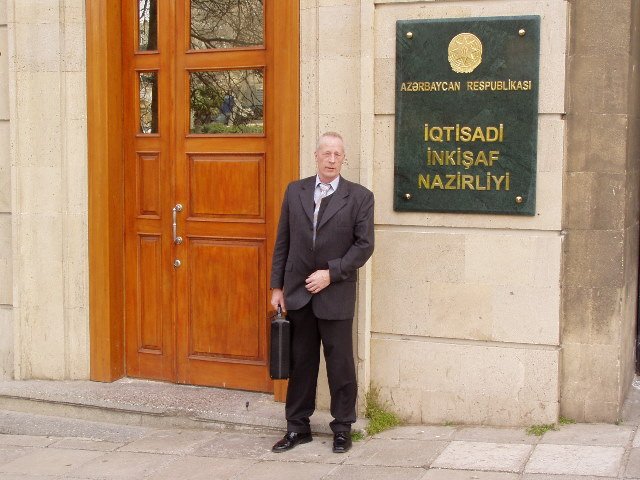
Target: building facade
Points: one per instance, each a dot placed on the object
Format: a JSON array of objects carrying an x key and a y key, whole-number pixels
[{"x": 464, "y": 318}]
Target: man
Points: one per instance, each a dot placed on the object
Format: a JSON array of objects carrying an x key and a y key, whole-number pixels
[{"x": 325, "y": 234}]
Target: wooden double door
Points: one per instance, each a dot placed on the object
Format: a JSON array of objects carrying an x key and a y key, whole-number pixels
[{"x": 210, "y": 93}]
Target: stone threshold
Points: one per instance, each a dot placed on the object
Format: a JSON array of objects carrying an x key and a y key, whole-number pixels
[{"x": 153, "y": 404}]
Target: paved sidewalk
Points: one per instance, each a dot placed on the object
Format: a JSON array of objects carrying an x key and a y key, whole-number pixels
[{"x": 46, "y": 448}]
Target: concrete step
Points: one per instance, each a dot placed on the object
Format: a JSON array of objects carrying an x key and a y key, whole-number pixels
[{"x": 153, "y": 404}]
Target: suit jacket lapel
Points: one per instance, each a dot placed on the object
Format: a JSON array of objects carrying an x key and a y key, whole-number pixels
[
  {"x": 306, "y": 197},
  {"x": 338, "y": 201}
]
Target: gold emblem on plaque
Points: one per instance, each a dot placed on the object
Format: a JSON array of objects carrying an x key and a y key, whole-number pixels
[{"x": 465, "y": 52}]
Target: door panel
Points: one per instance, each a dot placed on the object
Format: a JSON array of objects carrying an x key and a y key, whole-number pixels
[
  {"x": 238, "y": 194},
  {"x": 148, "y": 184},
  {"x": 150, "y": 284},
  {"x": 202, "y": 131},
  {"x": 224, "y": 321}
]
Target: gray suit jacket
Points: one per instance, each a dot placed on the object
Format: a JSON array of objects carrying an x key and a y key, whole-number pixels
[{"x": 344, "y": 242}]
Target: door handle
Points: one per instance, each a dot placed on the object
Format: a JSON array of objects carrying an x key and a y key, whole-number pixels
[{"x": 176, "y": 239}]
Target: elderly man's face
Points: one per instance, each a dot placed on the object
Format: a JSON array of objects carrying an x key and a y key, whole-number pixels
[{"x": 329, "y": 158}]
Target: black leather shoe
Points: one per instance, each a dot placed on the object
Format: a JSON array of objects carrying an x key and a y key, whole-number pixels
[
  {"x": 290, "y": 440},
  {"x": 341, "y": 442}
]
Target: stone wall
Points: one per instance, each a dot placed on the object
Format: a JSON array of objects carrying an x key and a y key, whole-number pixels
[
  {"x": 47, "y": 91},
  {"x": 466, "y": 308},
  {"x": 6, "y": 276},
  {"x": 601, "y": 209}
]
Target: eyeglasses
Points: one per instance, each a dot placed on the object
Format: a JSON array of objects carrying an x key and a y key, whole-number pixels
[{"x": 328, "y": 155}]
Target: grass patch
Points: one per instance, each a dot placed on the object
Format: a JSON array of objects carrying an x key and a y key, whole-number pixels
[
  {"x": 566, "y": 421},
  {"x": 539, "y": 430},
  {"x": 380, "y": 419},
  {"x": 357, "y": 436}
]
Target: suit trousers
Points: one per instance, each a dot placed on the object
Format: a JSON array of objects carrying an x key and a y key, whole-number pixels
[{"x": 307, "y": 331}]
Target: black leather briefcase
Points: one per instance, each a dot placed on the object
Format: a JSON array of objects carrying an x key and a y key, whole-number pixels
[{"x": 280, "y": 346}]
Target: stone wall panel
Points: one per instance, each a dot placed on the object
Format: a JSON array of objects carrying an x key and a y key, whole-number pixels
[
  {"x": 6, "y": 341},
  {"x": 462, "y": 286},
  {"x": 595, "y": 196},
  {"x": 463, "y": 383},
  {"x": 599, "y": 84},
  {"x": 4, "y": 74},
  {"x": 5, "y": 168},
  {"x": 583, "y": 268},
  {"x": 39, "y": 135},
  {"x": 591, "y": 314},
  {"x": 6, "y": 265},
  {"x": 589, "y": 19}
]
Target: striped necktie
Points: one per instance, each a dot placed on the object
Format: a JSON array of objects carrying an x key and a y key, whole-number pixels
[{"x": 321, "y": 191}]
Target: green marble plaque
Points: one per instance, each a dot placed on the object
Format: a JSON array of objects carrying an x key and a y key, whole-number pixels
[{"x": 467, "y": 115}]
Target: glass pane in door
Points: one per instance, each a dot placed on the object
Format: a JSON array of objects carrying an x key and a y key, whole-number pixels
[
  {"x": 226, "y": 24},
  {"x": 147, "y": 25},
  {"x": 226, "y": 102},
  {"x": 148, "y": 87}
]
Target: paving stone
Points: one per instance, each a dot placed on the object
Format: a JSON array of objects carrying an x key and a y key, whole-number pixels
[
  {"x": 498, "y": 457},
  {"x": 87, "y": 444},
  {"x": 9, "y": 453},
  {"x": 589, "y": 434},
  {"x": 320, "y": 450},
  {"x": 575, "y": 460},
  {"x": 20, "y": 476},
  {"x": 122, "y": 465},
  {"x": 632, "y": 469},
  {"x": 49, "y": 461},
  {"x": 419, "y": 432},
  {"x": 372, "y": 472},
  {"x": 396, "y": 453},
  {"x": 26, "y": 440},
  {"x": 239, "y": 445},
  {"x": 435, "y": 474},
  {"x": 265, "y": 470},
  {"x": 494, "y": 435},
  {"x": 631, "y": 407},
  {"x": 537, "y": 476},
  {"x": 636, "y": 439},
  {"x": 202, "y": 468},
  {"x": 49, "y": 426},
  {"x": 178, "y": 442}
]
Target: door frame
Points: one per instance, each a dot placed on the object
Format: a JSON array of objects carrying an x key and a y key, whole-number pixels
[{"x": 106, "y": 172}]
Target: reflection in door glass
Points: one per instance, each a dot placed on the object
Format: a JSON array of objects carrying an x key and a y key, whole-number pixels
[
  {"x": 148, "y": 24},
  {"x": 148, "y": 102},
  {"x": 226, "y": 24},
  {"x": 227, "y": 101}
]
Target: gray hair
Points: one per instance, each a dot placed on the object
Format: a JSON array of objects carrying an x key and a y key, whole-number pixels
[{"x": 331, "y": 135}]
